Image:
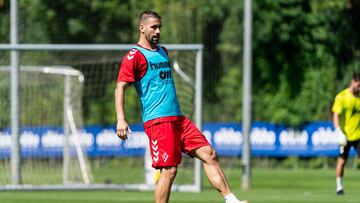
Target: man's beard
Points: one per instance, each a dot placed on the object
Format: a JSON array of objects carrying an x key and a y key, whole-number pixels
[{"x": 154, "y": 41}]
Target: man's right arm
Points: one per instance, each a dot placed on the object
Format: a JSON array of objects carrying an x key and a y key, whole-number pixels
[
  {"x": 122, "y": 126},
  {"x": 341, "y": 137},
  {"x": 132, "y": 69},
  {"x": 336, "y": 120},
  {"x": 337, "y": 109}
]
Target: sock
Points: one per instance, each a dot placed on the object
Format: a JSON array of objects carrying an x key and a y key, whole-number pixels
[
  {"x": 339, "y": 185},
  {"x": 230, "y": 197}
]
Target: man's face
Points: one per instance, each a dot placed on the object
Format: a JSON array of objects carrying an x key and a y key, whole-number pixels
[
  {"x": 151, "y": 30},
  {"x": 355, "y": 86}
]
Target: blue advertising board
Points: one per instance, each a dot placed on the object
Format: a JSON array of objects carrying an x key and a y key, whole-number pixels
[{"x": 267, "y": 139}]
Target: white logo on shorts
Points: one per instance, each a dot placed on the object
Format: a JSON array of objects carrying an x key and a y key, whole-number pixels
[{"x": 165, "y": 156}]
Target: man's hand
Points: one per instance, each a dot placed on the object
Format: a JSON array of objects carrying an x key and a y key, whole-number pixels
[
  {"x": 341, "y": 137},
  {"x": 122, "y": 128}
]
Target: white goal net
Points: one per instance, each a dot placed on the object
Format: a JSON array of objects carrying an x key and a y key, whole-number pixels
[
  {"x": 48, "y": 145},
  {"x": 67, "y": 118}
]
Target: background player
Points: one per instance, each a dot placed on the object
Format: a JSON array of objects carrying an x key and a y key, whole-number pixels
[
  {"x": 170, "y": 133},
  {"x": 346, "y": 118}
]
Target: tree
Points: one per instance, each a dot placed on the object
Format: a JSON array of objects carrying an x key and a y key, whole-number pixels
[{"x": 303, "y": 51}]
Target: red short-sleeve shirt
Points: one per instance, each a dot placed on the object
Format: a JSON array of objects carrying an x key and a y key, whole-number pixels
[{"x": 133, "y": 66}]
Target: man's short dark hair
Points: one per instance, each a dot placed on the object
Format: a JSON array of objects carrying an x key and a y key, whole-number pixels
[
  {"x": 146, "y": 14},
  {"x": 356, "y": 76}
]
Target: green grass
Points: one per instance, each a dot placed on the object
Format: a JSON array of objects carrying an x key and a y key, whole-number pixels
[
  {"x": 268, "y": 186},
  {"x": 109, "y": 170}
]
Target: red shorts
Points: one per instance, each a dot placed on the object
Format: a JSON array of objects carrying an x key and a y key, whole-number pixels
[{"x": 168, "y": 139}]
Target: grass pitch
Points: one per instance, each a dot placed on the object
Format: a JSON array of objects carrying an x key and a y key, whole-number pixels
[{"x": 268, "y": 186}]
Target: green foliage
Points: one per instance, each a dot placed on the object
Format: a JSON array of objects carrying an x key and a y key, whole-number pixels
[
  {"x": 303, "y": 51},
  {"x": 4, "y": 102},
  {"x": 291, "y": 163},
  {"x": 4, "y": 22},
  {"x": 102, "y": 111},
  {"x": 294, "y": 68},
  {"x": 82, "y": 21},
  {"x": 230, "y": 94}
]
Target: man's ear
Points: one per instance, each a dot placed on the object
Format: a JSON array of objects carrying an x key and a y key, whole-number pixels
[{"x": 141, "y": 28}]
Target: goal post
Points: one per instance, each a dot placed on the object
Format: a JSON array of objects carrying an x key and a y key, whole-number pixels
[
  {"x": 97, "y": 63},
  {"x": 41, "y": 89}
]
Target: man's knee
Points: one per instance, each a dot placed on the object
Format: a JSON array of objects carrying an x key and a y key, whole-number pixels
[
  {"x": 169, "y": 172},
  {"x": 211, "y": 156},
  {"x": 341, "y": 161}
]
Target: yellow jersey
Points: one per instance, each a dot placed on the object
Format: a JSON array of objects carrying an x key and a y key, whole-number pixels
[{"x": 347, "y": 106}]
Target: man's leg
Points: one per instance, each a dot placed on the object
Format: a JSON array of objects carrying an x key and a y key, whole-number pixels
[
  {"x": 339, "y": 175},
  {"x": 212, "y": 169},
  {"x": 214, "y": 172},
  {"x": 196, "y": 145},
  {"x": 340, "y": 166},
  {"x": 163, "y": 187}
]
